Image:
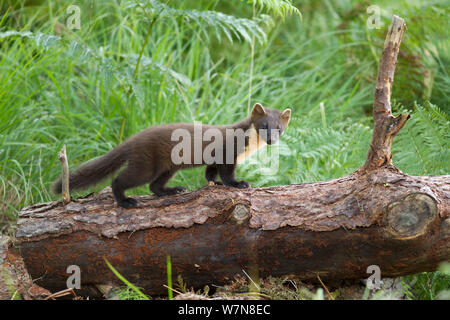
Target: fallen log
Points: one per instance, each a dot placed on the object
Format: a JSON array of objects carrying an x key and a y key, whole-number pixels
[{"x": 335, "y": 229}]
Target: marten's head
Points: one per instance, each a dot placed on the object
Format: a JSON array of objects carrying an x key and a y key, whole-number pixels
[{"x": 269, "y": 123}]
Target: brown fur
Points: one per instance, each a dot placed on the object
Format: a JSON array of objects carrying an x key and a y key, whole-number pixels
[{"x": 148, "y": 158}]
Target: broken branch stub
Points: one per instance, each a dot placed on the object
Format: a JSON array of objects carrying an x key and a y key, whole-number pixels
[
  {"x": 386, "y": 126},
  {"x": 62, "y": 155}
]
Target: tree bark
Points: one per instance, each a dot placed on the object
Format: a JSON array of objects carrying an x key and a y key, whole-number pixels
[
  {"x": 15, "y": 282},
  {"x": 335, "y": 229}
]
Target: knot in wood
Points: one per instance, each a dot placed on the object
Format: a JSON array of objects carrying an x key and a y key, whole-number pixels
[
  {"x": 410, "y": 216},
  {"x": 240, "y": 213}
]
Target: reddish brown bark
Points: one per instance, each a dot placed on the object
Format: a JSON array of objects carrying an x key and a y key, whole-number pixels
[
  {"x": 335, "y": 229},
  {"x": 15, "y": 282}
]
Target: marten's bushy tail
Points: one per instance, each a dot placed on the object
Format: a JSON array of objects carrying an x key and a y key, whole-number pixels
[{"x": 95, "y": 170}]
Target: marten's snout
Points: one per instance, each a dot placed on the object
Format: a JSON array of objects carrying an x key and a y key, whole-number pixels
[
  {"x": 271, "y": 140},
  {"x": 270, "y": 136}
]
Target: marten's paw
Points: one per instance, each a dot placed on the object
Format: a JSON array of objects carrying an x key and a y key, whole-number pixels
[
  {"x": 127, "y": 203},
  {"x": 240, "y": 184},
  {"x": 243, "y": 184},
  {"x": 174, "y": 190}
]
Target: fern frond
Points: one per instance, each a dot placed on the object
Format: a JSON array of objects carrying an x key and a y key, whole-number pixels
[
  {"x": 47, "y": 42},
  {"x": 423, "y": 145},
  {"x": 147, "y": 62},
  {"x": 42, "y": 40},
  {"x": 308, "y": 154},
  {"x": 105, "y": 65},
  {"x": 241, "y": 28},
  {"x": 281, "y": 8}
]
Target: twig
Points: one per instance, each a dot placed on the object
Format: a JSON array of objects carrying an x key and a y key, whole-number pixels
[
  {"x": 325, "y": 287},
  {"x": 257, "y": 287},
  {"x": 65, "y": 175},
  {"x": 61, "y": 293},
  {"x": 176, "y": 291}
]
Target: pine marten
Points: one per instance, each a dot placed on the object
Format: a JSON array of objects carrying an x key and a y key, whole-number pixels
[{"x": 153, "y": 155}]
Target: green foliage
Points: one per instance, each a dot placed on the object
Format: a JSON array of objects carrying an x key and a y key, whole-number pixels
[
  {"x": 273, "y": 288},
  {"x": 289, "y": 289},
  {"x": 126, "y": 293},
  {"x": 182, "y": 287},
  {"x": 309, "y": 153},
  {"x": 136, "y": 291},
  {"x": 239, "y": 27},
  {"x": 425, "y": 142},
  {"x": 422, "y": 70},
  {"x": 169, "y": 277},
  {"x": 281, "y": 8},
  {"x": 429, "y": 286}
]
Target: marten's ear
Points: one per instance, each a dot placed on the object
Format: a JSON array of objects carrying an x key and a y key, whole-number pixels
[
  {"x": 258, "y": 110},
  {"x": 286, "y": 116}
]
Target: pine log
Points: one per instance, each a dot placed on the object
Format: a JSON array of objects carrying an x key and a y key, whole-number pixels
[{"x": 334, "y": 229}]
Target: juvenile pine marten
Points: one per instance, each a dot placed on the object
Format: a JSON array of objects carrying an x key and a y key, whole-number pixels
[{"x": 154, "y": 155}]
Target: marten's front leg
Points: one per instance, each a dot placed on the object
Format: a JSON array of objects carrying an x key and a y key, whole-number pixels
[
  {"x": 226, "y": 172},
  {"x": 211, "y": 175}
]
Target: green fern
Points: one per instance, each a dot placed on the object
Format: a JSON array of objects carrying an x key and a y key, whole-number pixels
[
  {"x": 106, "y": 66},
  {"x": 281, "y": 8},
  {"x": 423, "y": 145},
  {"x": 309, "y": 154},
  {"x": 241, "y": 28}
]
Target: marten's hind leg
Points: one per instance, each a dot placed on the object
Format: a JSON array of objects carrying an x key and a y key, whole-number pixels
[
  {"x": 158, "y": 185},
  {"x": 128, "y": 179}
]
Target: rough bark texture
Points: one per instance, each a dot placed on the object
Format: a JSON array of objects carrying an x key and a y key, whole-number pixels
[
  {"x": 335, "y": 229},
  {"x": 15, "y": 282}
]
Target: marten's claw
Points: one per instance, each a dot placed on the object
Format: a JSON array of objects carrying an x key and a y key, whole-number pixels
[
  {"x": 172, "y": 191},
  {"x": 215, "y": 183},
  {"x": 179, "y": 189}
]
